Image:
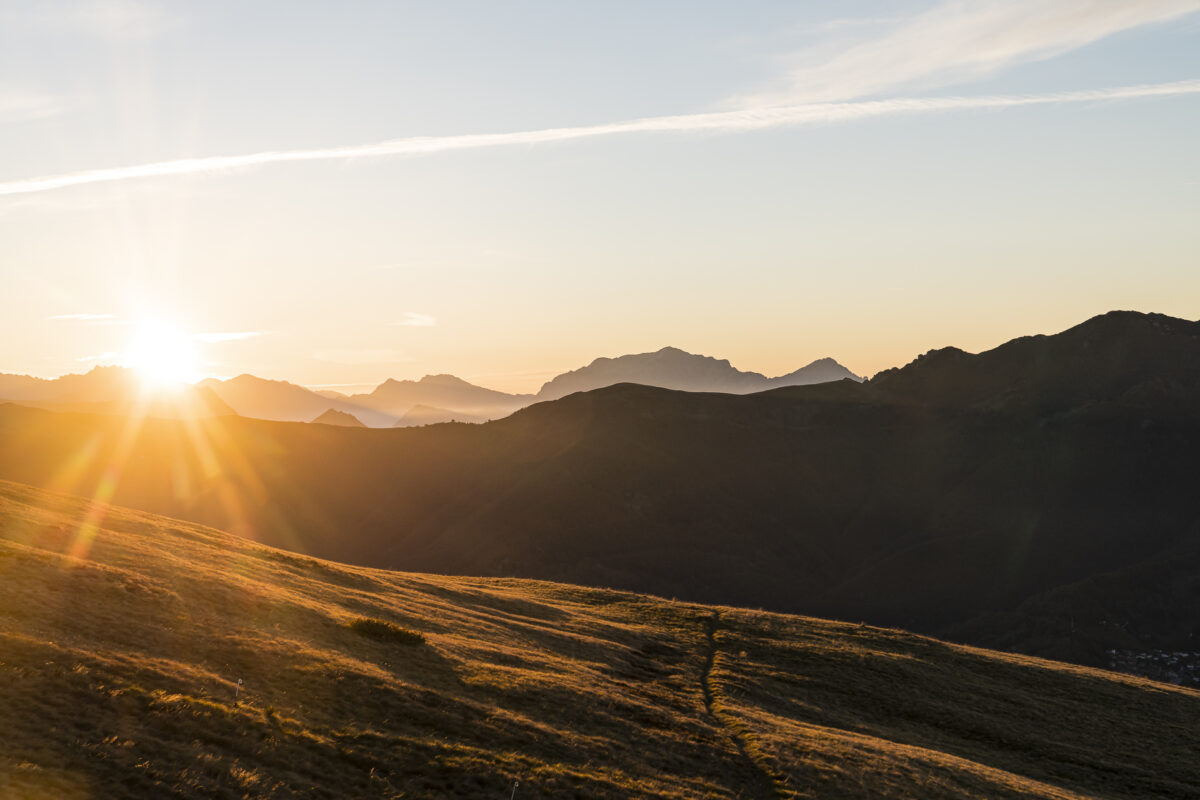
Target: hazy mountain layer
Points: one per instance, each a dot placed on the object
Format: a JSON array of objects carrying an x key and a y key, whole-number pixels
[
  {"x": 394, "y": 403},
  {"x": 147, "y": 657},
  {"x": 256, "y": 397},
  {"x": 335, "y": 417},
  {"x": 111, "y": 390},
  {"x": 671, "y": 368},
  {"x": 441, "y": 391},
  {"x": 427, "y": 415}
]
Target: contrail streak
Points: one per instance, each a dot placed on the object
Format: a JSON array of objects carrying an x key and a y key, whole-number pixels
[{"x": 738, "y": 120}]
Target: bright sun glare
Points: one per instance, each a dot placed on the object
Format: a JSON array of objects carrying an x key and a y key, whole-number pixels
[{"x": 163, "y": 355}]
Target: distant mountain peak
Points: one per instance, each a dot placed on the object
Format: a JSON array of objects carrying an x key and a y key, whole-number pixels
[
  {"x": 444, "y": 380},
  {"x": 247, "y": 378},
  {"x": 334, "y": 417},
  {"x": 673, "y": 368},
  {"x": 442, "y": 391},
  {"x": 1118, "y": 322},
  {"x": 1125, "y": 358}
]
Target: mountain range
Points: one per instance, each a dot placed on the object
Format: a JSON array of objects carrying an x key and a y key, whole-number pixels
[
  {"x": 671, "y": 368},
  {"x": 1038, "y": 497},
  {"x": 405, "y": 403},
  {"x": 111, "y": 390},
  {"x": 444, "y": 392}
]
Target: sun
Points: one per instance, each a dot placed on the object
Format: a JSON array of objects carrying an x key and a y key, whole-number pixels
[{"x": 164, "y": 355}]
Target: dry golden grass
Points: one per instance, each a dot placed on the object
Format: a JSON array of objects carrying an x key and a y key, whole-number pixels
[{"x": 121, "y": 647}]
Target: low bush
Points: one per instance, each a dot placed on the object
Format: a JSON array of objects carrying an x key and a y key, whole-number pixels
[{"x": 385, "y": 631}]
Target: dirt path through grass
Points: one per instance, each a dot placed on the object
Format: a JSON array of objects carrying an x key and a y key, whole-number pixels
[{"x": 764, "y": 787}]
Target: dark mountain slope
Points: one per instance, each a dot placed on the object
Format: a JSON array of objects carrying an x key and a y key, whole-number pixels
[
  {"x": 1122, "y": 358},
  {"x": 859, "y": 510}
]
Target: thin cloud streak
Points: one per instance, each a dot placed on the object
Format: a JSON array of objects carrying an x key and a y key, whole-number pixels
[
  {"x": 957, "y": 41},
  {"x": 722, "y": 121}
]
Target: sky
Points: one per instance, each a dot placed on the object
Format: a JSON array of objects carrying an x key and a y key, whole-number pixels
[{"x": 339, "y": 193}]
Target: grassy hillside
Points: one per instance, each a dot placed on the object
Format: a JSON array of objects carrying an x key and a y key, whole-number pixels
[{"x": 122, "y": 637}]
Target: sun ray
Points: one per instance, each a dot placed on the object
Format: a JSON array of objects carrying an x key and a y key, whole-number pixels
[{"x": 106, "y": 487}]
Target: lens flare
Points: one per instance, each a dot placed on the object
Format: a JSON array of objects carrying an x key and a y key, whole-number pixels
[{"x": 164, "y": 356}]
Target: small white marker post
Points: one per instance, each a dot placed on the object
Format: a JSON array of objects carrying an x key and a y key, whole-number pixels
[
  {"x": 514, "y": 791},
  {"x": 237, "y": 690}
]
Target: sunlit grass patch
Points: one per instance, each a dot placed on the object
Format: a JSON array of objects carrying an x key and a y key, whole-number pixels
[{"x": 239, "y": 671}]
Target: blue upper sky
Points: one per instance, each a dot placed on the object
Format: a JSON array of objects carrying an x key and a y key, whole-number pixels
[{"x": 335, "y": 193}]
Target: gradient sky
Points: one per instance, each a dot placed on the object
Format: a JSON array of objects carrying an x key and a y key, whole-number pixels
[{"x": 338, "y": 193}]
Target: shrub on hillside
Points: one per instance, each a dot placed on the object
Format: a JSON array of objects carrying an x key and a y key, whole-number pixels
[{"x": 385, "y": 631}]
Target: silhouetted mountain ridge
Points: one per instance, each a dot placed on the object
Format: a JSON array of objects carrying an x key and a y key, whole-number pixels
[
  {"x": 672, "y": 368},
  {"x": 1123, "y": 358}
]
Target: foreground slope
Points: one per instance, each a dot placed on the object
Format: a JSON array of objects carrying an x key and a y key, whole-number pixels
[{"x": 122, "y": 636}]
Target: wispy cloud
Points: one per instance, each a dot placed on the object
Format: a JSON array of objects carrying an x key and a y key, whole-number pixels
[
  {"x": 958, "y": 41},
  {"x": 361, "y": 356},
  {"x": 236, "y": 336},
  {"x": 954, "y": 42},
  {"x": 18, "y": 105},
  {"x": 746, "y": 119},
  {"x": 414, "y": 320},
  {"x": 86, "y": 317}
]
